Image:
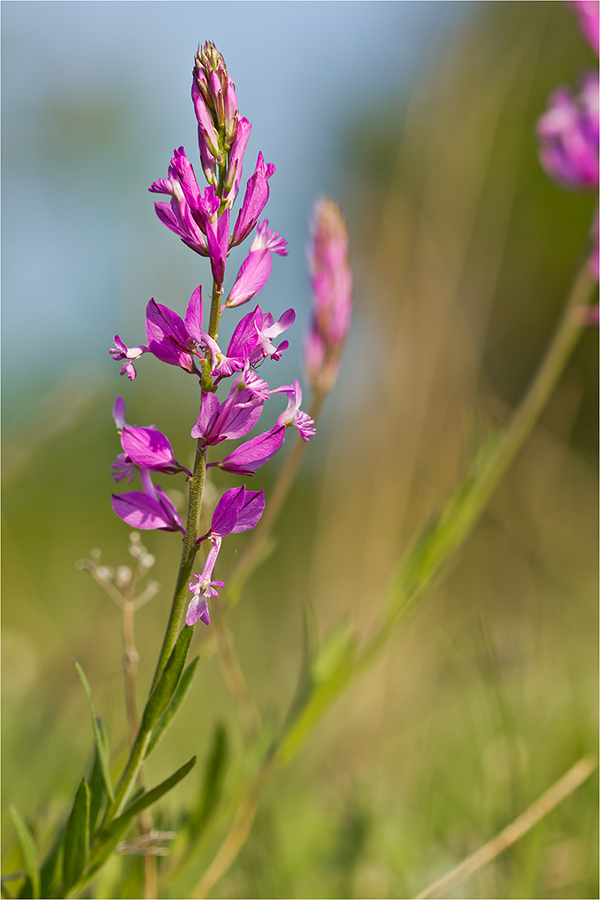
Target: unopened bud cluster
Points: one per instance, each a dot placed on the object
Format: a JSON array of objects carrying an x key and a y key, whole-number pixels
[{"x": 331, "y": 277}]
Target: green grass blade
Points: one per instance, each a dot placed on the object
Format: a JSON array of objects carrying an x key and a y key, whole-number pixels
[
  {"x": 28, "y": 849},
  {"x": 52, "y": 869},
  {"x": 212, "y": 786},
  {"x": 100, "y": 740},
  {"x": 76, "y": 841},
  {"x": 96, "y": 791}
]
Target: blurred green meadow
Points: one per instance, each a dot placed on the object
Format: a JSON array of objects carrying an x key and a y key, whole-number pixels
[{"x": 463, "y": 251}]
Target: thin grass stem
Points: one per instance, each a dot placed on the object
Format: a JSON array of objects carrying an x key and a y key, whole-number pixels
[{"x": 559, "y": 791}]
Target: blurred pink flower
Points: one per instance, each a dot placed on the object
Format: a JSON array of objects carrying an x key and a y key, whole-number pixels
[
  {"x": 587, "y": 12},
  {"x": 332, "y": 295},
  {"x": 568, "y": 134}
]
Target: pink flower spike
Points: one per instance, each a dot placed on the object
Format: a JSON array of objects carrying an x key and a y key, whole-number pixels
[
  {"x": 568, "y": 133},
  {"x": 269, "y": 240},
  {"x": 252, "y": 277},
  {"x": 332, "y": 296},
  {"x": 588, "y": 14}
]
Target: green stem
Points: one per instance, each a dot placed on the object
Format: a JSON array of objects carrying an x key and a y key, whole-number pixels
[
  {"x": 215, "y": 310},
  {"x": 181, "y": 595},
  {"x": 188, "y": 555}
]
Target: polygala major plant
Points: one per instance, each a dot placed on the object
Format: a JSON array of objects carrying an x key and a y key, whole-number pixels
[{"x": 231, "y": 399}]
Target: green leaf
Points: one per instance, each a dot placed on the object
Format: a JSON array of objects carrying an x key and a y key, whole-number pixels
[
  {"x": 212, "y": 786},
  {"x": 163, "y": 693},
  {"x": 109, "y": 839},
  {"x": 96, "y": 791},
  {"x": 28, "y": 849},
  {"x": 337, "y": 650},
  {"x": 76, "y": 841},
  {"x": 52, "y": 869},
  {"x": 178, "y": 697},
  {"x": 330, "y": 669},
  {"x": 100, "y": 739}
]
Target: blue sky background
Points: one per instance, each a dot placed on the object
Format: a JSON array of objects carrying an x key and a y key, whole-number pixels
[{"x": 96, "y": 95}]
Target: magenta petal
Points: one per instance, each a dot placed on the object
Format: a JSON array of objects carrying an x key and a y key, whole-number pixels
[
  {"x": 245, "y": 336},
  {"x": 170, "y": 510},
  {"x": 119, "y": 412},
  {"x": 148, "y": 447},
  {"x": 250, "y": 456},
  {"x": 141, "y": 511},
  {"x": 208, "y": 414},
  {"x": 165, "y": 329},
  {"x": 217, "y": 237},
  {"x": 251, "y": 511},
  {"x": 240, "y": 421},
  {"x": 193, "y": 315},
  {"x": 252, "y": 277},
  {"x": 236, "y": 156},
  {"x": 226, "y": 511},
  {"x": 197, "y": 610}
]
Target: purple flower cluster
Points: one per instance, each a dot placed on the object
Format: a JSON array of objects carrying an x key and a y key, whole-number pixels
[
  {"x": 568, "y": 131},
  {"x": 331, "y": 277},
  {"x": 202, "y": 220}
]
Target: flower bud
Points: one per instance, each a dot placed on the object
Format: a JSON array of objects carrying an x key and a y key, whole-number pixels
[
  {"x": 215, "y": 99},
  {"x": 331, "y": 277}
]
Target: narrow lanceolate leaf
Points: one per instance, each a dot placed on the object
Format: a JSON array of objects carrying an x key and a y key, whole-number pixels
[
  {"x": 108, "y": 840},
  {"x": 100, "y": 740},
  {"x": 96, "y": 791},
  {"x": 163, "y": 693},
  {"x": 178, "y": 697},
  {"x": 28, "y": 849},
  {"x": 212, "y": 786},
  {"x": 76, "y": 841},
  {"x": 51, "y": 871}
]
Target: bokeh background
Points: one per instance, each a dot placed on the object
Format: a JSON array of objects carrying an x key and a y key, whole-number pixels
[{"x": 418, "y": 118}]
